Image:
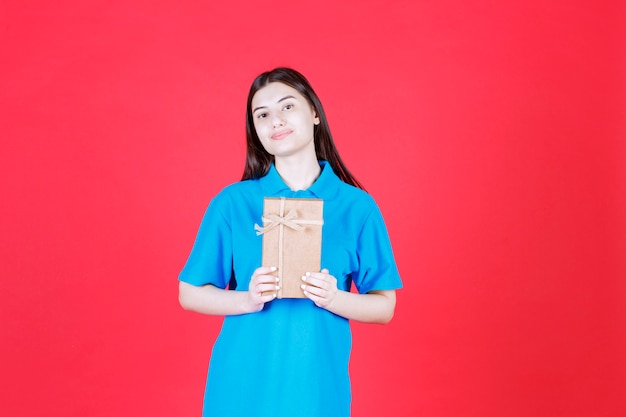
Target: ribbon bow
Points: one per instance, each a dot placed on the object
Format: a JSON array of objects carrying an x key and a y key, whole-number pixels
[
  {"x": 275, "y": 220},
  {"x": 290, "y": 220}
]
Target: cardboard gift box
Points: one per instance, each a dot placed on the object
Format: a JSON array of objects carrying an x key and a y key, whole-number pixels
[{"x": 292, "y": 240}]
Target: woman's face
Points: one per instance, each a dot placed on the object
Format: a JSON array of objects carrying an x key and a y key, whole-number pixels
[{"x": 283, "y": 120}]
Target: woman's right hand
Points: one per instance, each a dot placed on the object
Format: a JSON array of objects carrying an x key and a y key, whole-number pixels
[{"x": 263, "y": 287}]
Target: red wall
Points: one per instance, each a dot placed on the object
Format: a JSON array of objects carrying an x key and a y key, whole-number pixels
[{"x": 492, "y": 135}]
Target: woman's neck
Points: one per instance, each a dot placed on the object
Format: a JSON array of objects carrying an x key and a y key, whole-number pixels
[{"x": 298, "y": 174}]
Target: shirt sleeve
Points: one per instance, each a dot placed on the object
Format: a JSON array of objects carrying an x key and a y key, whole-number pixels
[
  {"x": 211, "y": 258},
  {"x": 377, "y": 266}
]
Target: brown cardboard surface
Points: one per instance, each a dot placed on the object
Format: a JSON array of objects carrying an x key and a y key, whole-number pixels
[{"x": 294, "y": 252}]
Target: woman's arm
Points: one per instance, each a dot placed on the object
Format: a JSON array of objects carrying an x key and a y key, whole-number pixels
[
  {"x": 373, "y": 307},
  {"x": 208, "y": 299}
]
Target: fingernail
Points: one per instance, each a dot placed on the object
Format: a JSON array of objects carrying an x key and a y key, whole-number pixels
[
  {"x": 303, "y": 278},
  {"x": 273, "y": 268},
  {"x": 302, "y": 286},
  {"x": 308, "y": 274},
  {"x": 277, "y": 279},
  {"x": 277, "y": 287}
]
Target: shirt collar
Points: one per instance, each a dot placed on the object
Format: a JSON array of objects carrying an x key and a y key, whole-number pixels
[{"x": 324, "y": 187}]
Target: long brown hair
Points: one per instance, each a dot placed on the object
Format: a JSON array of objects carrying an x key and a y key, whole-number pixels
[{"x": 258, "y": 161}]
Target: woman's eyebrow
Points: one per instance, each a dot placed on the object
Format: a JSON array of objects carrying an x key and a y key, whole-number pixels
[
  {"x": 285, "y": 98},
  {"x": 282, "y": 99}
]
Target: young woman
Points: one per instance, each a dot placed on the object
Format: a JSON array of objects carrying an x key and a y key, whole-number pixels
[{"x": 287, "y": 357}]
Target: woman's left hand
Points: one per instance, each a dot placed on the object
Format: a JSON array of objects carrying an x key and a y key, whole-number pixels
[{"x": 320, "y": 287}]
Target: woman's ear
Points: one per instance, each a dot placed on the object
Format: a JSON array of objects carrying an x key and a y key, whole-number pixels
[{"x": 316, "y": 121}]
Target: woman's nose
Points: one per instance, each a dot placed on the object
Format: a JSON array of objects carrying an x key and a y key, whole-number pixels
[{"x": 277, "y": 121}]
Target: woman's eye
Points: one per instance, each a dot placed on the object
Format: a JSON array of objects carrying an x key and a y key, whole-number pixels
[
  {"x": 288, "y": 107},
  {"x": 261, "y": 115}
]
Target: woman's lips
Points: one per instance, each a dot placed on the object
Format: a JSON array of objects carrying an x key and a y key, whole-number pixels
[{"x": 280, "y": 135}]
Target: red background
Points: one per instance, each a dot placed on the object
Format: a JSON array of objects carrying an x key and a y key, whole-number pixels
[{"x": 492, "y": 136}]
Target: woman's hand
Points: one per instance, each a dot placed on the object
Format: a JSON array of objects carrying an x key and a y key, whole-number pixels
[
  {"x": 372, "y": 307},
  {"x": 262, "y": 288},
  {"x": 320, "y": 287}
]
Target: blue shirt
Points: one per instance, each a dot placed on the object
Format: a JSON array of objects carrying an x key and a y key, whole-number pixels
[{"x": 291, "y": 358}]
